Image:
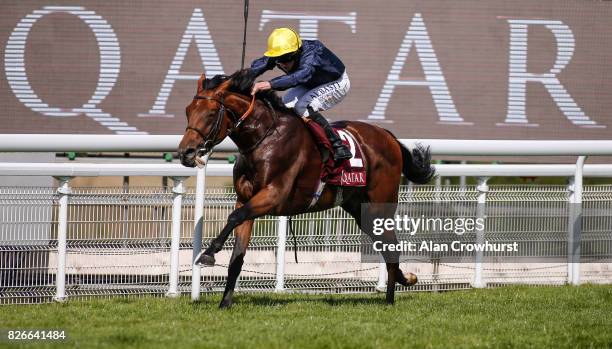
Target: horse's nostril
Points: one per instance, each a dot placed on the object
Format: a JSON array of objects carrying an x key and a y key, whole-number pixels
[
  {"x": 189, "y": 152},
  {"x": 187, "y": 157}
]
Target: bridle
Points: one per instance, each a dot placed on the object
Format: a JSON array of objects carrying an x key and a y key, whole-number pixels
[{"x": 209, "y": 140}]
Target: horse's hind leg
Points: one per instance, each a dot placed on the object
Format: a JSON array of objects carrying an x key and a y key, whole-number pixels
[
  {"x": 394, "y": 274},
  {"x": 392, "y": 259},
  {"x": 365, "y": 220},
  {"x": 242, "y": 237},
  {"x": 381, "y": 210}
]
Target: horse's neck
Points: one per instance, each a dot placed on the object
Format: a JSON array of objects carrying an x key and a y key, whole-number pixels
[{"x": 257, "y": 126}]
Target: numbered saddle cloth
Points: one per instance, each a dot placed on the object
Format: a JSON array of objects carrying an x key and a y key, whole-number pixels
[{"x": 348, "y": 173}]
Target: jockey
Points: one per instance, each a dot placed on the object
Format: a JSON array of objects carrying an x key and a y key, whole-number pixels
[{"x": 315, "y": 77}]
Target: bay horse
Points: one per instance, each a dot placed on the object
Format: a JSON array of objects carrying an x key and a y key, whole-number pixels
[{"x": 278, "y": 169}]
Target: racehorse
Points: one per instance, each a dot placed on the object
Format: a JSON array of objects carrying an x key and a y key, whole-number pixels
[{"x": 278, "y": 169}]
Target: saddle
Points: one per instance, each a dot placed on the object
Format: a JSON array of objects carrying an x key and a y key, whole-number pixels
[{"x": 347, "y": 173}]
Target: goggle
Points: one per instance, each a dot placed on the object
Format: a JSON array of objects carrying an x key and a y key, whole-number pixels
[{"x": 286, "y": 58}]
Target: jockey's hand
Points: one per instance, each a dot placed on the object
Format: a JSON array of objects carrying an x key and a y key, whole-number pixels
[{"x": 260, "y": 86}]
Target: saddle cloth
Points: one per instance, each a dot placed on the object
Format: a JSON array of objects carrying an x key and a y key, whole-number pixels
[{"x": 347, "y": 173}]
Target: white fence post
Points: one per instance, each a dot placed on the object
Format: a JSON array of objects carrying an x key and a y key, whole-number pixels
[
  {"x": 178, "y": 189},
  {"x": 482, "y": 188},
  {"x": 575, "y": 224},
  {"x": 570, "y": 227},
  {"x": 381, "y": 285},
  {"x": 62, "y": 229},
  {"x": 280, "y": 254},
  {"x": 198, "y": 222},
  {"x": 438, "y": 187},
  {"x": 462, "y": 179}
]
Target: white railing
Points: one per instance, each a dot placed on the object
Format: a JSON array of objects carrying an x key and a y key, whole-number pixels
[
  {"x": 65, "y": 171},
  {"x": 169, "y": 143},
  {"x": 96, "y": 143},
  {"x": 215, "y": 169}
]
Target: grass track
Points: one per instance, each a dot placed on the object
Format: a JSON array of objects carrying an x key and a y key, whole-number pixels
[{"x": 510, "y": 317}]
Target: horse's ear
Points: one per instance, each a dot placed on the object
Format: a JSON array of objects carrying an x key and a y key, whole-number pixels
[{"x": 202, "y": 83}]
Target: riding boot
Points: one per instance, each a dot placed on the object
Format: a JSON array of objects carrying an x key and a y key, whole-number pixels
[{"x": 341, "y": 152}]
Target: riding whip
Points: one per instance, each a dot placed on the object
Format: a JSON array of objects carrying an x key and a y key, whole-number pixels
[{"x": 246, "y": 17}]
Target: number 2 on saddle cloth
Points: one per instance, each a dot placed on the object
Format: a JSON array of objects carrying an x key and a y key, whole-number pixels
[{"x": 347, "y": 173}]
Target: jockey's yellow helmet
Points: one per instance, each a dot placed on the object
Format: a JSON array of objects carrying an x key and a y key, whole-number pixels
[{"x": 282, "y": 41}]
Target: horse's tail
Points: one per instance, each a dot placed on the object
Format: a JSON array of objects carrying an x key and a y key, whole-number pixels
[{"x": 416, "y": 165}]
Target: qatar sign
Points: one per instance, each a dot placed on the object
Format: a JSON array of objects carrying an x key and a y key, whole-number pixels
[{"x": 428, "y": 69}]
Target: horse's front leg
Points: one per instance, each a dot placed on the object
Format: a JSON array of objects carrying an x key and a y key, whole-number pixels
[
  {"x": 243, "y": 236},
  {"x": 261, "y": 204}
]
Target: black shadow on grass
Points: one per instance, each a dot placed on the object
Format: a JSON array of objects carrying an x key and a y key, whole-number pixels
[
  {"x": 332, "y": 300},
  {"x": 274, "y": 300}
]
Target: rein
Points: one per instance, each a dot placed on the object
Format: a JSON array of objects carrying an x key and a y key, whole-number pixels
[
  {"x": 246, "y": 114},
  {"x": 209, "y": 140}
]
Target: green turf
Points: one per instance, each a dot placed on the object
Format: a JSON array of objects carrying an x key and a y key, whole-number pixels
[{"x": 511, "y": 317}]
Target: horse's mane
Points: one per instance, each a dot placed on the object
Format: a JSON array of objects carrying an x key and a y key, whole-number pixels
[{"x": 241, "y": 82}]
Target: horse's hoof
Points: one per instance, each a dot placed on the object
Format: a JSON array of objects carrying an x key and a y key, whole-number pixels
[
  {"x": 225, "y": 304},
  {"x": 411, "y": 279},
  {"x": 205, "y": 260}
]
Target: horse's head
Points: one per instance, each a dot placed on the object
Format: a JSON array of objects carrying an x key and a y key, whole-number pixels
[
  {"x": 214, "y": 111},
  {"x": 208, "y": 119}
]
